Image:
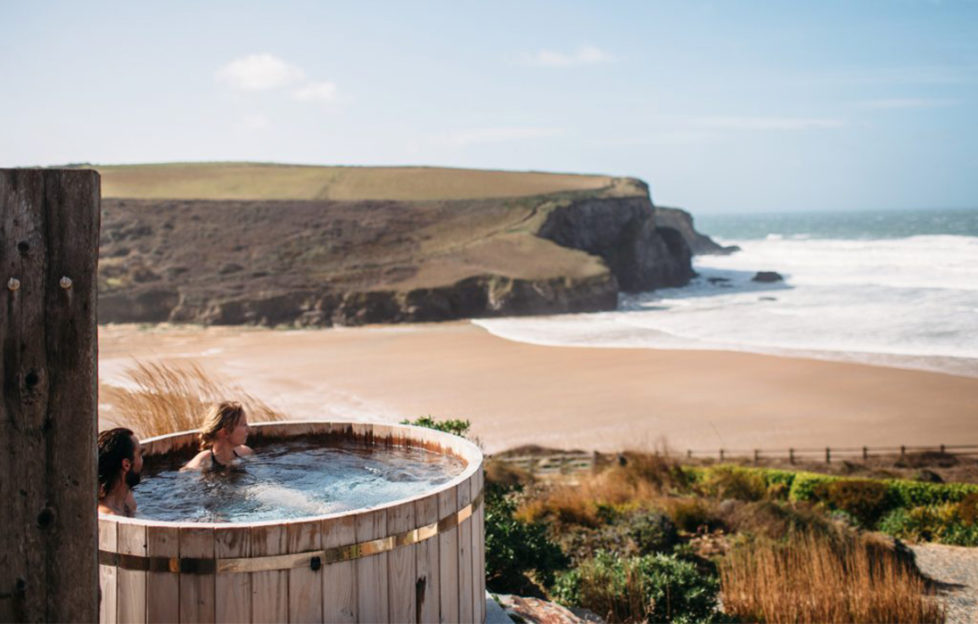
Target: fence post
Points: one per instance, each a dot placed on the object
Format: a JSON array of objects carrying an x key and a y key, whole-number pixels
[
  {"x": 689, "y": 454},
  {"x": 903, "y": 451},
  {"x": 757, "y": 455},
  {"x": 865, "y": 453},
  {"x": 721, "y": 454},
  {"x": 828, "y": 455},
  {"x": 49, "y": 236},
  {"x": 942, "y": 449},
  {"x": 791, "y": 455}
]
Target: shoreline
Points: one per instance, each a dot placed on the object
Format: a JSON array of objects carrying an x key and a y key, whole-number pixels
[
  {"x": 957, "y": 366},
  {"x": 593, "y": 398}
]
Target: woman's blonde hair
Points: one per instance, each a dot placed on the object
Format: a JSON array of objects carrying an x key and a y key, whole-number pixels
[{"x": 220, "y": 415}]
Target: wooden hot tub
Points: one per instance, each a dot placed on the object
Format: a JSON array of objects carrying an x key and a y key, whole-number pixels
[{"x": 413, "y": 560}]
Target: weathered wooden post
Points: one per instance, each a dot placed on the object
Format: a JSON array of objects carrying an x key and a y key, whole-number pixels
[{"x": 49, "y": 233}]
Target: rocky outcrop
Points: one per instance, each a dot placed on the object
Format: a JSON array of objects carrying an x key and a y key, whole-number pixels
[
  {"x": 480, "y": 296},
  {"x": 682, "y": 221},
  {"x": 767, "y": 277},
  {"x": 625, "y": 234}
]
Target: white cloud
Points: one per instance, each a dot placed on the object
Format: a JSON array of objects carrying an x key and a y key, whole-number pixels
[
  {"x": 259, "y": 72},
  {"x": 315, "y": 92},
  {"x": 498, "y": 135},
  {"x": 767, "y": 123},
  {"x": 585, "y": 55},
  {"x": 898, "y": 103}
]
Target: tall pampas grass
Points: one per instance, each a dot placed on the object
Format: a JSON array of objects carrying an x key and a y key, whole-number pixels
[
  {"x": 163, "y": 398},
  {"x": 814, "y": 577}
]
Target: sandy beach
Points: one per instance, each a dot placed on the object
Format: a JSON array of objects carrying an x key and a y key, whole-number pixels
[{"x": 565, "y": 397}]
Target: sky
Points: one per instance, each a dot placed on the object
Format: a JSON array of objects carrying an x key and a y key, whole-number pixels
[{"x": 722, "y": 107}]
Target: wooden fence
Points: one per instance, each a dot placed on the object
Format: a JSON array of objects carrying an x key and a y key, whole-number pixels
[
  {"x": 829, "y": 453},
  {"x": 579, "y": 461},
  {"x": 552, "y": 464}
]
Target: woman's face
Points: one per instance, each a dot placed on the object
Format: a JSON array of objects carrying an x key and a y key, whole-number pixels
[{"x": 239, "y": 434}]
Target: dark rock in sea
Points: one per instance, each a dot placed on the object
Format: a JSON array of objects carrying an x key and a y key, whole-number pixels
[
  {"x": 767, "y": 277},
  {"x": 680, "y": 220},
  {"x": 767, "y": 298},
  {"x": 718, "y": 280}
]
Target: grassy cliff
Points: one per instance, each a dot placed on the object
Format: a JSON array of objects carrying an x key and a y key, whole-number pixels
[{"x": 237, "y": 243}]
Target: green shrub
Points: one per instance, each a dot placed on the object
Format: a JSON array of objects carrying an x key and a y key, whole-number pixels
[
  {"x": 515, "y": 548},
  {"x": 774, "y": 477},
  {"x": 655, "y": 588},
  {"x": 937, "y": 523},
  {"x": 653, "y": 532},
  {"x": 863, "y": 499},
  {"x": 916, "y": 494},
  {"x": 455, "y": 427},
  {"x": 804, "y": 485},
  {"x": 733, "y": 482},
  {"x": 968, "y": 510}
]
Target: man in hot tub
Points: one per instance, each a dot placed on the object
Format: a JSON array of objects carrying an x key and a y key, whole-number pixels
[
  {"x": 120, "y": 465},
  {"x": 222, "y": 438}
]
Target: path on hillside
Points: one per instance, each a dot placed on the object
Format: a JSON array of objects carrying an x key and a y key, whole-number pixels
[{"x": 957, "y": 568}]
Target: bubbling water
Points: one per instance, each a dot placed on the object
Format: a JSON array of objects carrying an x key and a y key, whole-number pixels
[{"x": 294, "y": 480}]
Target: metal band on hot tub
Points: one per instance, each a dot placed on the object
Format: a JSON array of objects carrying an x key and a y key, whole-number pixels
[{"x": 313, "y": 558}]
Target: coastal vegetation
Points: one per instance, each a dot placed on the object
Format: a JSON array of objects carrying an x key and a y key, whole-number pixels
[{"x": 649, "y": 539}]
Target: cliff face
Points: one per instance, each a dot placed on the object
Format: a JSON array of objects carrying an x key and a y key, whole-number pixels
[
  {"x": 322, "y": 263},
  {"x": 624, "y": 233}
]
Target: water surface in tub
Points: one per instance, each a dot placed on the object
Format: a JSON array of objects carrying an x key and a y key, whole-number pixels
[{"x": 294, "y": 480}]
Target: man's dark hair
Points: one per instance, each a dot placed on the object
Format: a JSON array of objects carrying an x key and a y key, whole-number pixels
[{"x": 114, "y": 445}]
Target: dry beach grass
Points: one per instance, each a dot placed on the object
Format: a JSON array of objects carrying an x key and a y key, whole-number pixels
[
  {"x": 814, "y": 578},
  {"x": 162, "y": 398}
]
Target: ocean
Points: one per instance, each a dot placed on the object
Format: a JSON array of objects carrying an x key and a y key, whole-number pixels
[{"x": 894, "y": 288}]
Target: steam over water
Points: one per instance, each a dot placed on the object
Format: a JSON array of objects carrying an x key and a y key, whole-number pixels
[
  {"x": 892, "y": 288},
  {"x": 293, "y": 481}
]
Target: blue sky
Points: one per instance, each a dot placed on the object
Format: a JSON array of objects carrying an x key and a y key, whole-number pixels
[{"x": 721, "y": 106}]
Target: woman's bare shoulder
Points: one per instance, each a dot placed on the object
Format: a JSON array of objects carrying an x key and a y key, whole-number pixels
[
  {"x": 244, "y": 450},
  {"x": 200, "y": 460}
]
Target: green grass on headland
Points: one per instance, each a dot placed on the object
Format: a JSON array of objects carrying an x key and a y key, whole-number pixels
[{"x": 243, "y": 181}]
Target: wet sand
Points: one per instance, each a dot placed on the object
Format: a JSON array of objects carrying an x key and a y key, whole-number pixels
[{"x": 565, "y": 397}]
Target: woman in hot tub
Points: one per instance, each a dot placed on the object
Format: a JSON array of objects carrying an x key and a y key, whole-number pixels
[{"x": 222, "y": 438}]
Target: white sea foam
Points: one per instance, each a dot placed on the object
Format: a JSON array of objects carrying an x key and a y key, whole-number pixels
[{"x": 910, "y": 302}]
